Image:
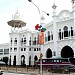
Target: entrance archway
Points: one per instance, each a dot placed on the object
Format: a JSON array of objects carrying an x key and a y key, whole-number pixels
[
  {"x": 67, "y": 52},
  {"x": 22, "y": 60},
  {"x": 29, "y": 60},
  {"x": 48, "y": 53},
  {"x": 14, "y": 62},
  {"x": 35, "y": 60}
]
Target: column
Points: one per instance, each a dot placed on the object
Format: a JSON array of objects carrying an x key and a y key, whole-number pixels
[
  {"x": 73, "y": 9},
  {"x": 54, "y": 30}
]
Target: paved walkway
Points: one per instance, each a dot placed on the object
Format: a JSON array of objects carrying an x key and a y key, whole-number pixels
[{"x": 24, "y": 71}]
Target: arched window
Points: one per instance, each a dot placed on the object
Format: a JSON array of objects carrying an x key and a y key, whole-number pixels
[
  {"x": 22, "y": 60},
  {"x": 35, "y": 60},
  {"x": 65, "y": 28},
  {"x": 71, "y": 31},
  {"x": 15, "y": 41},
  {"x": 51, "y": 35},
  {"x": 30, "y": 41},
  {"x": 24, "y": 40},
  {"x": 65, "y": 31},
  {"x": 48, "y": 53},
  {"x": 35, "y": 40},
  {"x": 54, "y": 53},
  {"x": 60, "y": 34},
  {"x": 48, "y": 36}
]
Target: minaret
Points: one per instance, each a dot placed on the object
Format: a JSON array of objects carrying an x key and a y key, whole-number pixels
[
  {"x": 54, "y": 9},
  {"x": 54, "y": 30},
  {"x": 73, "y": 9}
]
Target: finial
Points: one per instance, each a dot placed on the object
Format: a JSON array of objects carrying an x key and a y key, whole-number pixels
[
  {"x": 42, "y": 17},
  {"x": 54, "y": 6},
  {"x": 12, "y": 16}
]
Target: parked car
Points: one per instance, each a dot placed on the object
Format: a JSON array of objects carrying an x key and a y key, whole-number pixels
[{"x": 2, "y": 63}]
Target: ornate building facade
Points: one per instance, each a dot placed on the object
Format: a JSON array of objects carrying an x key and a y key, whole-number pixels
[{"x": 59, "y": 39}]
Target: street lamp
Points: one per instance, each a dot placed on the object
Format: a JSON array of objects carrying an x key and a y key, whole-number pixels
[
  {"x": 46, "y": 13},
  {"x": 38, "y": 8},
  {"x": 40, "y": 22},
  {"x": 30, "y": 0}
]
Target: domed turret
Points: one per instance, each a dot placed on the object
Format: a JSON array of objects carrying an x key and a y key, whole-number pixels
[
  {"x": 16, "y": 16},
  {"x": 16, "y": 21}
]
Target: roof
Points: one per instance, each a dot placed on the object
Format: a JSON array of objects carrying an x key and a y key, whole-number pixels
[{"x": 16, "y": 23}]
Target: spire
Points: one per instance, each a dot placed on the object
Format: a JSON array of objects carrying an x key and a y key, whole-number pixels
[
  {"x": 42, "y": 17},
  {"x": 54, "y": 6},
  {"x": 73, "y": 5}
]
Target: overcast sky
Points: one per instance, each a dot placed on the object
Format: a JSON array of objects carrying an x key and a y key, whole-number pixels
[{"x": 28, "y": 12}]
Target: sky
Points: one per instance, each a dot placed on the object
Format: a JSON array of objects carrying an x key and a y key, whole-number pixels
[{"x": 28, "y": 12}]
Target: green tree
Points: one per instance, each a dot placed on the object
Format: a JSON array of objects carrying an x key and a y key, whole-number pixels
[{"x": 5, "y": 59}]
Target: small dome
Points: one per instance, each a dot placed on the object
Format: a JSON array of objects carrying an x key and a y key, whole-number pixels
[
  {"x": 17, "y": 16},
  {"x": 16, "y": 21}
]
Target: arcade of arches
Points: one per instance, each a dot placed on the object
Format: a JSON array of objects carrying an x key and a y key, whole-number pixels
[
  {"x": 22, "y": 60},
  {"x": 48, "y": 53},
  {"x": 66, "y": 52}
]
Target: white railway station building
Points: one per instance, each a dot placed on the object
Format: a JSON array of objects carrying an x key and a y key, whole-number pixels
[{"x": 59, "y": 39}]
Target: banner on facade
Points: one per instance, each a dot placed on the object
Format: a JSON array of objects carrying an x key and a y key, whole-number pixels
[{"x": 41, "y": 38}]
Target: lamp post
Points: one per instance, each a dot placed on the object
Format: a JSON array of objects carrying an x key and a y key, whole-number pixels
[
  {"x": 46, "y": 13},
  {"x": 38, "y": 8},
  {"x": 35, "y": 5},
  {"x": 41, "y": 55}
]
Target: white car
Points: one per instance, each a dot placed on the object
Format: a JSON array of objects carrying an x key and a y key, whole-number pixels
[{"x": 2, "y": 63}]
